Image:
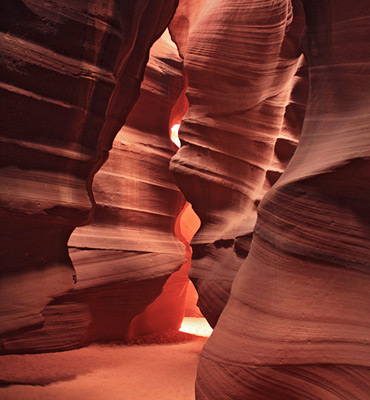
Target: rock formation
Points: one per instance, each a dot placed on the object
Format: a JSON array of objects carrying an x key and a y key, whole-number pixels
[
  {"x": 295, "y": 279},
  {"x": 240, "y": 60},
  {"x": 131, "y": 247},
  {"x": 70, "y": 74},
  {"x": 297, "y": 323}
]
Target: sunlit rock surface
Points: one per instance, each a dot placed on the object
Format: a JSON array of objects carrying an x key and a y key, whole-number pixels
[
  {"x": 70, "y": 73},
  {"x": 242, "y": 60},
  {"x": 297, "y": 325}
]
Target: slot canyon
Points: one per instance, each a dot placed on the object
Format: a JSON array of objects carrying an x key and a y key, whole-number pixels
[{"x": 185, "y": 199}]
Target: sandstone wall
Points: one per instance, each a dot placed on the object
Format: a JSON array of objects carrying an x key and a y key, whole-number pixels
[
  {"x": 242, "y": 60},
  {"x": 70, "y": 73},
  {"x": 297, "y": 322}
]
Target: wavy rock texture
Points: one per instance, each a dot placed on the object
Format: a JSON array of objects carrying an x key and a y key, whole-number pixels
[
  {"x": 69, "y": 75},
  {"x": 123, "y": 259},
  {"x": 240, "y": 59},
  {"x": 132, "y": 238},
  {"x": 297, "y": 325}
]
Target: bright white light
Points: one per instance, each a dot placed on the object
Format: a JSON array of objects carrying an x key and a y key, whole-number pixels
[
  {"x": 196, "y": 326},
  {"x": 175, "y": 135}
]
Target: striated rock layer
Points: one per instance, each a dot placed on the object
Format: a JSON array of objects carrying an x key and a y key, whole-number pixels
[
  {"x": 123, "y": 259},
  {"x": 70, "y": 73},
  {"x": 132, "y": 238},
  {"x": 297, "y": 325},
  {"x": 241, "y": 59}
]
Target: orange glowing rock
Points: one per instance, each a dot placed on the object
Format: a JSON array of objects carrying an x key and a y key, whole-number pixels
[{"x": 124, "y": 257}]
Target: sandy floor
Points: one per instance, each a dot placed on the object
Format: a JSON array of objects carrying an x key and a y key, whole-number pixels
[{"x": 106, "y": 372}]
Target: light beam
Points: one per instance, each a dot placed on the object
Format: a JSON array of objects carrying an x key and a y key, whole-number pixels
[{"x": 175, "y": 135}]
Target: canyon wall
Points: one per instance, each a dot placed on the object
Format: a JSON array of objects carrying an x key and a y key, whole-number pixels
[
  {"x": 297, "y": 324},
  {"x": 70, "y": 73},
  {"x": 125, "y": 256},
  {"x": 295, "y": 283},
  {"x": 242, "y": 61}
]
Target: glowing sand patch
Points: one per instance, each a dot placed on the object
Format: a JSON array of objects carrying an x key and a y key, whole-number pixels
[
  {"x": 175, "y": 135},
  {"x": 196, "y": 326}
]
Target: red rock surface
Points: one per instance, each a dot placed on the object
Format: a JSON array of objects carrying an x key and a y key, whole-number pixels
[
  {"x": 70, "y": 73},
  {"x": 297, "y": 323},
  {"x": 138, "y": 204},
  {"x": 123, "y": 259},
  {"x": 240, "y": 59}
]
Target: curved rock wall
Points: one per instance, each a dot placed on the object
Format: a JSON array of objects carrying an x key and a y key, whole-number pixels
[
  {"x": 297, "y": 324},
  {"x": 124, "y": 257},
  {"x": 240, "y": 59},
  {"x": 70, "y": 73},
  {"x": 132, "y": 238}
]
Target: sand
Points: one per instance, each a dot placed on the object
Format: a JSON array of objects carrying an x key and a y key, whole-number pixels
[{"x": 159, "y": 368}]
